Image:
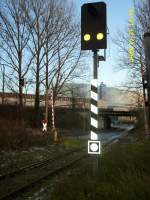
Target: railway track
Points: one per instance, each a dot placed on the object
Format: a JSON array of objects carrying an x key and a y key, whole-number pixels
[
  {"x": 27, "y": 176},
  {"x": 33, "y": 165},
  {"x": 14, "y": 182}
]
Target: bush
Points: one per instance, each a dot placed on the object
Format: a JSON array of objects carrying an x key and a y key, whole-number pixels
[
  {"x": 13, "y": 135},
  {"x": 64, "y": 117}
]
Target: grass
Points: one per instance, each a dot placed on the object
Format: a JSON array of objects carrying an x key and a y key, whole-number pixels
[
  {"x": 75, "y": 143},
  {"x": 19, "y": 148},
  {"x": 123, "y": 174},
  {"x": 35, "y": 148}
]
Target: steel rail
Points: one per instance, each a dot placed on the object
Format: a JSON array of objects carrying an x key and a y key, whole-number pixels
[
  {"x": 49, "y": 169},
  {"x": 34, "y": 165}
]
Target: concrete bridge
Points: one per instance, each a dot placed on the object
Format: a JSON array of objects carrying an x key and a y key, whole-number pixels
[{"x": 106, "y": 115}]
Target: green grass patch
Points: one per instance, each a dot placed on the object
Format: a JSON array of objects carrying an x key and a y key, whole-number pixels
[
  {"x": 75, "y": 143},
  {"x": 123, "y": 174}
]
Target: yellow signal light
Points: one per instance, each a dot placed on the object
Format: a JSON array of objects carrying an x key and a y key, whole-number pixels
[
  {"x": 87, "y": 37},
  {"x": 100, "y": 36}
]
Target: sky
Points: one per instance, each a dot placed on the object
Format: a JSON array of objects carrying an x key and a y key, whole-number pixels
[{"x": 117, "y": 16}]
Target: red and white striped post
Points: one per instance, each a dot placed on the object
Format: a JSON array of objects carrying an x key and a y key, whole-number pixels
[{"x": 53, "y": 118}]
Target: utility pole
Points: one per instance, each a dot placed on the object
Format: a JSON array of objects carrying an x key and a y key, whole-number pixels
[
  {"x": 144, "y": 82},
  {"x": 3, "y": 84},
  {"x": 46, "y": 104},
  {"x": 149, "y": 8},
  {"x": 147, "y": 87},
  {"x": 148, "y": 2}
]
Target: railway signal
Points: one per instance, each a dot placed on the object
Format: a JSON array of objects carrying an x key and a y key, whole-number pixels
[
  {"x": 94, "y": 147},
  {"x": 93, "y": 26},
  {"x": 94, "y": 37},
  {"x": 22, "y": 82}
]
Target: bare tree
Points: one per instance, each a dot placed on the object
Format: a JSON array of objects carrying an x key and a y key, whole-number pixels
[
  {"x": 14, "y": 36},
  {"x": 41, "y": 38},
  {"x": 137, "y": 68},
  {"x": 62, "y": 54},
  {"x": 43, "y": 21}
]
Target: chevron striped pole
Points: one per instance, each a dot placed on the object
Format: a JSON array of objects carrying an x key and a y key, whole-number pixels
[
  {"x": 94, "y": 145},
  {"x": 94, "y": 110}
]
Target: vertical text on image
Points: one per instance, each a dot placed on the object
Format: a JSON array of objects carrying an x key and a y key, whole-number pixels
[{"x": 131, "y": 35}]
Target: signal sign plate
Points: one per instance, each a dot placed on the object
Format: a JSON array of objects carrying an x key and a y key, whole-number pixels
[{"x": 94, "y": 147}]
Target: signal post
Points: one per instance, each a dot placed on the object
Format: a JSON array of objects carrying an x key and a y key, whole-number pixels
[{"x": 94, "y": 37}]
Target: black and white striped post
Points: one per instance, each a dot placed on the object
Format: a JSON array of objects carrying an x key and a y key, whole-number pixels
[
  {"x": 94, "y": 145},
  {"x": 94, "y": 110}
]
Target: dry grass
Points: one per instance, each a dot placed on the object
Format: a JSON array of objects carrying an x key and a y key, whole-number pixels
[{"x": 14, "y": 135}]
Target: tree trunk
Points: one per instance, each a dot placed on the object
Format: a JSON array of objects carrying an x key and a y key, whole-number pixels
[
  {"x": 20, "y": 102},
  {"x": 47, "y": 89},
  {"x": 37, "y": 100},
  {"x": 20, "y": 87},
  {"x": 3, "y": 87}
]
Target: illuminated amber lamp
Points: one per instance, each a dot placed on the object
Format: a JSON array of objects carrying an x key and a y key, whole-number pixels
[
  {"x": 100, "y": 36},
  {"x": 87, "y": 37}
]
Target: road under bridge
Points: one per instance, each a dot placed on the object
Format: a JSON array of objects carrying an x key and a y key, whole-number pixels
[{"x": 108, "y": 116}]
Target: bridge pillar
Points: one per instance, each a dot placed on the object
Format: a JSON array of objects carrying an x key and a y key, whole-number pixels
[
  {"x": 100, "y": 122},
  {"x": 104, "y": 122},
  {"x": 107, "y": 122}
]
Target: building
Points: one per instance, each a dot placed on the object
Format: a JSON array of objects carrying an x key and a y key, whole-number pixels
[{"x": 109, "y": 97}]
